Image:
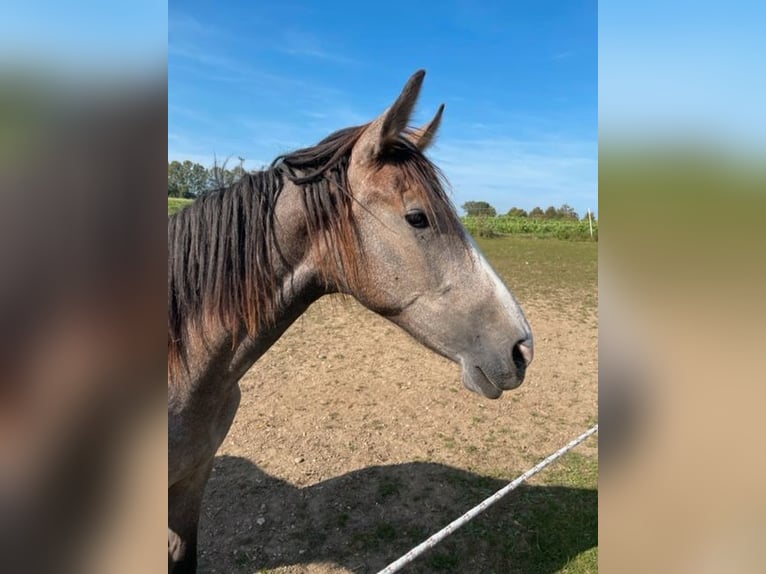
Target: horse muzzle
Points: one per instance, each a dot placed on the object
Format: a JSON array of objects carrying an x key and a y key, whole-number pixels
[{"x": 491, "y": 381}]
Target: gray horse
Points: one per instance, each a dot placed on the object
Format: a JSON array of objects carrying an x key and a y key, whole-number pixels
[{"x": 362, "y": 213}]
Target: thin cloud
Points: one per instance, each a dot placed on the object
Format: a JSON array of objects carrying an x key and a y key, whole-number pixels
[
  {"x": 260, "y": 136},
  {"x": 516, "y": 173},
  {"x": 193, "y": 114},
  {"x": 303, "y": 44},
  {"x": 215, "y": 67},
  {"x": 204, "y": 57},
  {"x": 181, "y": 23}
]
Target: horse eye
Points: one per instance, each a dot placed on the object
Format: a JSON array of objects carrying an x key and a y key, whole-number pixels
[{"x": 417, "y": 219}]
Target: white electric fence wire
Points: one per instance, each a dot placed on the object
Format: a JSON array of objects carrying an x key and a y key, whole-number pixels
[{"x": 482, "y": 506}]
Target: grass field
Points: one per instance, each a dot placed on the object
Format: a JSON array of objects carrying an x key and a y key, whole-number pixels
[
  {"x": 574, "y": 230},
  {"x": 556, "y": 270},
  {"x": 565, "y": 274},
  {"x": 373, "y": 485},
  {"x": 176, "y": 204},
  {"x": 497, "y": 226},
  {"x": 353, "y": 443}
]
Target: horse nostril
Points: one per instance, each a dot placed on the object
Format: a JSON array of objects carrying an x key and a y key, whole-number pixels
[{"x": 523, "y": 351}]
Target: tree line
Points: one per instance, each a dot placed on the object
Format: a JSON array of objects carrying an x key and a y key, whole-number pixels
[
  {"x": 484, "y": 209},
  {"x": 190, "y": 180}
]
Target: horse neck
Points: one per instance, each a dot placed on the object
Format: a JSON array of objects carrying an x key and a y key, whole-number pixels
[{"x": 297, "y": 286}]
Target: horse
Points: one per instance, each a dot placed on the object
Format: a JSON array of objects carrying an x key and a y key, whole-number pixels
[{"x": 362, "y": 213}]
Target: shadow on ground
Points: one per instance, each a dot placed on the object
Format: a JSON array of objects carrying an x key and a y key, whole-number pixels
[{"x": 363, "y": 520}]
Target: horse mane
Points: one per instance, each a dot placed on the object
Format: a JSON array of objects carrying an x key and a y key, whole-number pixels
[{"x": 223, "y": 252}]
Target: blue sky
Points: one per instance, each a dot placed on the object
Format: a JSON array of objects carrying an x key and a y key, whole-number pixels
[
  {"x": 689, "y": 69},
  {"x": 519, "y": 80},
  {"x": 85, "y": 36}
]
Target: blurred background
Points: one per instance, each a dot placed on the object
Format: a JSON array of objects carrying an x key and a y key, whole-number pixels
[
  {"x": 682, "y": 176},
  {"x": 83, "y": 120},
  {"x": 682, "y": 185}
]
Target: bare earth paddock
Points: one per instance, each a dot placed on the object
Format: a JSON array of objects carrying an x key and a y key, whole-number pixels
[{"x": 353, "y": 443}]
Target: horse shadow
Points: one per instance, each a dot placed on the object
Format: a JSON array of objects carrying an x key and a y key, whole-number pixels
[{"x": 363, "y": 520}]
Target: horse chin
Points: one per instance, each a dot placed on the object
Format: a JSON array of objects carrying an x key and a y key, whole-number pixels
[{"x": 475, "y": 380}]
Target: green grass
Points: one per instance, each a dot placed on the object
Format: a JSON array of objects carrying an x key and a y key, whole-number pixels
[
  {"x": 553, "y": 268},
  {"x": 547, "y": 527},
  {"x": 577, "y": 470},
  {"x": 573, "y": 230},
  {"x": 388, "y": 487},
  {"x": 177, "y": 204},
  {"x": 443, "y": 561},
  {"x": 551, "y": 526},
  {"x": 556, "y": 524}
]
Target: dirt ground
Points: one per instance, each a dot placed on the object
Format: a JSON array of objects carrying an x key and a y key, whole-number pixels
[{"x": 353, "y": 443}]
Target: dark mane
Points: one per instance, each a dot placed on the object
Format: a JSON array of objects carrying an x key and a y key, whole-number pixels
[{"x": 222, "y": 249}]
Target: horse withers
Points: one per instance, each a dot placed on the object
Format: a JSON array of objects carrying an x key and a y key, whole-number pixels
[{"x": 364, "y": 213}]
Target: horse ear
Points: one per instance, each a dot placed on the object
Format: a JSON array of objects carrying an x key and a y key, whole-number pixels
[
  {"x": 393, "y": 121},
  {"x": 424, "y": 137}
]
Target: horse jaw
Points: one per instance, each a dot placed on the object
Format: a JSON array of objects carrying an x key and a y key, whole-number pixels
[{"x": 475, "y": 380}]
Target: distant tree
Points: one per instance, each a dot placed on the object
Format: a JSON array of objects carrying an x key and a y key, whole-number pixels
[
  {"x": 536, "y": 212},
  {"x": 517, "y": 212},
  {"x": 197, "y": 178},
  {"x": 237, "y": 173},
  {"x": 176, "y": 180},
  {"x": 479, "y": 208},
  {"x": 220, "y": 176},
  {"x": 216, "y": 177},
  {"x": 551, "y": 213},
  {"x": 187, "y": 179},
  {"x": 567, "y": 212}
]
